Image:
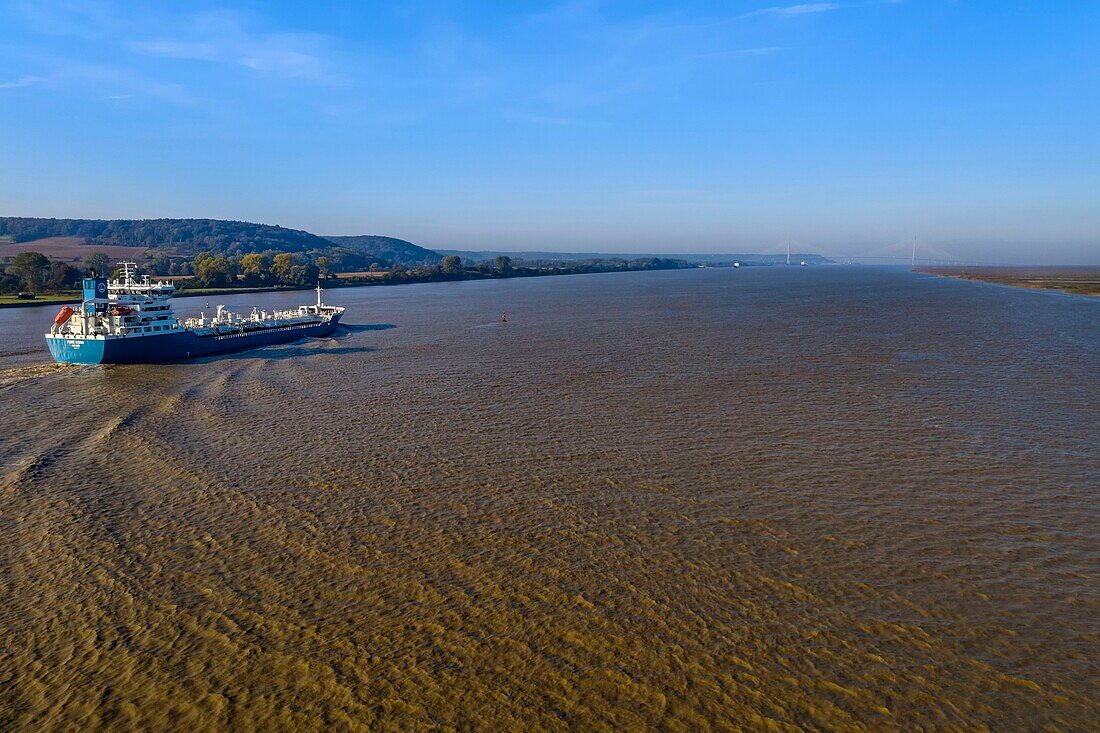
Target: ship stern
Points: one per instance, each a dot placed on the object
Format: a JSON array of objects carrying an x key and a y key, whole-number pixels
[{"x": 76, "y": 350}]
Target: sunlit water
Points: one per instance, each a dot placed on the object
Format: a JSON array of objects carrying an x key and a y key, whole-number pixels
[{"x": 807, "y": 497}]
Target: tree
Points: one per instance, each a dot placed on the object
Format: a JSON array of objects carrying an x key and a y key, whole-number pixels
[
  {"x": 322, "y": 267},
  {"x": 10, "y": 284},
  {"x": 452, "y": 264},
  {"x": 63, "y": 276},
  {"x": 214, "y": 270},
  {"x": 161, "y": 265},
  {"x": 256, "y": 268},
  {"x": 283, "y": 267},
  {"x": 503, "y": 263},
  {"x": 98, "y": 261},
  {"x": 307, "y": 275},
  {"x": 33, "y": 268}
]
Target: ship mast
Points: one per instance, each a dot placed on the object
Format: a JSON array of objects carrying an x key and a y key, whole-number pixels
[{"x": 127, "y": 272}]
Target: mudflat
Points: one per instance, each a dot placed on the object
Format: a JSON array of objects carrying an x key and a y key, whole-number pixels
[{"x": 1075, "y": 280}]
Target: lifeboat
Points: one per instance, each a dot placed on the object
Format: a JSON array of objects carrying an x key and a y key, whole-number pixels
[
  {"x": 63, "y": 315},
  {"x": 121, "y": 310}
]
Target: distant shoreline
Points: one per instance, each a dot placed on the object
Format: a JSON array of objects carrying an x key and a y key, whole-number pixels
[
  {"x": 335, "y": 283},
  {"x": 1072, "y": 280}
]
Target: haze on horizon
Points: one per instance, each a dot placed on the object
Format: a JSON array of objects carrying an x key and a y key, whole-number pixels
[{"x": 849, "y": 127}]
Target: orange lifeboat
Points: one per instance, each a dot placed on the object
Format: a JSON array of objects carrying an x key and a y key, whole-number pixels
[
  {"x": 121, "y": 310},
  {"x": 63, "y": 315}
]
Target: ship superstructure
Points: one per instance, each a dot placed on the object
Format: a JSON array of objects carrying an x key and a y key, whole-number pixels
[{"x": 128, "y": 320}]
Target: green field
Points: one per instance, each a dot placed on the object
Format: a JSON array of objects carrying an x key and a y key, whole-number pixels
[{"x": 11, "y": 301}]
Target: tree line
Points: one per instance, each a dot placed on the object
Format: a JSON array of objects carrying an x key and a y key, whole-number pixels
[
  {"x": 34, "y": 272},
  {"x": 453, "y": 267},
  {"x": 258, "y": 269}
]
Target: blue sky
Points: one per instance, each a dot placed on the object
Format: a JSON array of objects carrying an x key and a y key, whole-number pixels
[{"x": 849, "y": 127}]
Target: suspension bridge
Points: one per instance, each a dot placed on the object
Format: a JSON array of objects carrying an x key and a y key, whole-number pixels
[{"x": 912, "y": 252}]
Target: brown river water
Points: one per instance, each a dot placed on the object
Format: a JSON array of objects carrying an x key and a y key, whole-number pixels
[{"x": 760, "y": 499}]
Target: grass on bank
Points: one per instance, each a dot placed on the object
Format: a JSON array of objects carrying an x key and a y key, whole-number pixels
[{"x": 44, "y": 299}]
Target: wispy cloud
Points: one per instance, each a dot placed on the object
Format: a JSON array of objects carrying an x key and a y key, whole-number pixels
[
  {"x": 602, "y": 59},
  {"x": 23, "y": 81},
  {"x": 226, "y": 37},
  {"x": 107, "y": 49},
  {"x": 761, "y": 51},
  {"x": 738, "y": 52},
  {"x": 102, "y": 81},
  {"x": 117, "y": 82},
  {"x": 791, "y": 11}
]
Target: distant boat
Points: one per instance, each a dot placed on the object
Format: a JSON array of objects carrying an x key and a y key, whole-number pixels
[
  {"x": 802, "y": 263},
  {"x": 736, "y": 264}
]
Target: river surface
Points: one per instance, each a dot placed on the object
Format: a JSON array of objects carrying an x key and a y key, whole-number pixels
[{"x": 770, "y": 498}]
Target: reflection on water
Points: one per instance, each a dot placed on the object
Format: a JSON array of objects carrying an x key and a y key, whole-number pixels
[{"x": 820, "y": 498}]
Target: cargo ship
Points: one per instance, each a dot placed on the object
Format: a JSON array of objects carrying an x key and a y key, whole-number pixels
[{"x": 130, "y": 321}]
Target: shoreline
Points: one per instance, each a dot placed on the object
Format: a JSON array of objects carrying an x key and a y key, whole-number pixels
[
  {"x": 336, "y": 283},
  {"x": 1082, "y": 280}
]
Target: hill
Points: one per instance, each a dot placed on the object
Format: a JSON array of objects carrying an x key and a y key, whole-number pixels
[
  {"x": 388, "y": 249},
  {"x": 183, "y": 237}
]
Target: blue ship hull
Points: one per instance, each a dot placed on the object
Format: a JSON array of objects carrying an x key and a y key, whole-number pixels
[{"x": 176, "y": 346}]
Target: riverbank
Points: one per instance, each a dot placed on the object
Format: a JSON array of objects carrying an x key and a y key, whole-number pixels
[
  {"x": 1074, "y": 280},
  {"x": 66, "y": 296},
  {"x": 403, "y": 277}
]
